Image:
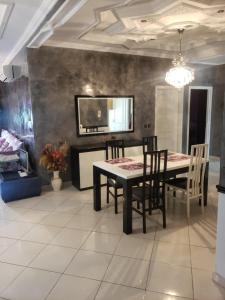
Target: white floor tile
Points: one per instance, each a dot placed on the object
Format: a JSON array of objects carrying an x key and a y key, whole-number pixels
[
  {"x": 49, "y": 204},
  {"x": 176, "y": 254},
  {"x": 12, "y": 214},
  {"x": 203, "y": 258},
  {"x": 31, "y": 284},
  {"x": 34, "y": 216},
  {"x": 56, "y": 219},
  {"x": 71, "y": 288},
  {"x": 83, "y": 222},
  {"x": 89, "y": 264},
  {"x": 21, "y": 253},
  {"x": 73, "y": 238},
  {"x": 135, "y": 247},
  {"x": 111, "y": 291},
  {"x": 25, "y": 203},
  {"x": 7, "y": 274},
  {"x": 127, "y": 271},
  {"x": 175, "y": 234},
  {"x": 102, "y": 242},
  {"x": 54, "y": 258},
  {"x": 203, "y": 234},
  {"x": 161, "y": 296},
  {"x": 205, "y": 288},
  {"x": 170, "y": 279},
  {"x": 41, "y": 233},
  {"x": 87, "y": 210},
  {"x": 109, "y": 225},
  {"x": 5, "y": 243},
  {"x": 127, "y": 274},
  {"x": 13, "y": 229},
  {"x": 71, "y": 206}
]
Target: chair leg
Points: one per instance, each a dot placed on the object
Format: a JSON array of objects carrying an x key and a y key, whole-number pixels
[
  {"x": 116, "y": 200},
  {"x": 164, "y": 217},
  {"x": 188, "y": 207},
  {"x": 174, "y": 193},
  {"x": 107, "y": 193},
  {"x": 144, "y": 216},
  {"x": 167, "y": 189},
  {"x": 150, "y": 206},
  {"x": 174, "y": 198},
  {"x": 202, "y": 204}
]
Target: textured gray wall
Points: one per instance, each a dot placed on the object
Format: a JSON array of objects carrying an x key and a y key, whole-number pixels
[{"x": 57, "y": 74}]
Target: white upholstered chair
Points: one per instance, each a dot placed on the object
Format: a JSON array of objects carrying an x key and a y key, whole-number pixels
[{"x": 192, "y": 186}]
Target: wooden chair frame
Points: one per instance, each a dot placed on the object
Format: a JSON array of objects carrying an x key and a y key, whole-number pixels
[
  {"x": 195, "y": 176},
  {"x": 153, "y": 188},
  {"x": 149, "y": 143},
  {"x": 113, "y": 150}
]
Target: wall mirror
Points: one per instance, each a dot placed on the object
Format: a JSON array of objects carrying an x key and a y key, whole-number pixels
[{"x": 104, "y": 114}]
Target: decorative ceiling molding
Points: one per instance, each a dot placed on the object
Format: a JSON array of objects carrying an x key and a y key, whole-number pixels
[
  {"x": 5, "y": 18},
  {"x": 45, "y": 7},
  {"x": 140, "y": 27}
]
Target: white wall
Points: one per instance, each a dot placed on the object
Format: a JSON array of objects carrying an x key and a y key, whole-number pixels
[{"x": 220, "y": 245}]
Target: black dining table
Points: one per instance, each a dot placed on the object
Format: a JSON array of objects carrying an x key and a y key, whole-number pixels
[{"x": 129, "y": 172}]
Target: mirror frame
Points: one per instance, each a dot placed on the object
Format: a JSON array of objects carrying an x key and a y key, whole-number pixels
[{"x": 76, "y": 98}]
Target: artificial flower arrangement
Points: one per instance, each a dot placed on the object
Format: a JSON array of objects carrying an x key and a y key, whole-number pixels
[{"x": 54, "y": 158}]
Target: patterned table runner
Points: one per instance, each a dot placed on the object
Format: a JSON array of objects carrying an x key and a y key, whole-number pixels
[{"x": 119, "y": 160}]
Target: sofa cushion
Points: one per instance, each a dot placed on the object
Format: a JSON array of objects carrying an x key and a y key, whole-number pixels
[
  {"x": 11, "y": 139},
  {"x": 2, "y": 140},
  {"x": 4, "y": 146}
]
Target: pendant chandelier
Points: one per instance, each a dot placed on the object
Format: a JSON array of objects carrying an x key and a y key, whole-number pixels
[{"x": 180, "y": 75}]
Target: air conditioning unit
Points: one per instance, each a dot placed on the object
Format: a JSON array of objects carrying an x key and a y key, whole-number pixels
[
  {"x": 2, "y": 77},
  {"x": 10, "y": 73}
]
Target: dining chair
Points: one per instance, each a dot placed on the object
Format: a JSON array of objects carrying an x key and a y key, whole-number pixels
[
  {"x": 149, "y": 143},
  {"x": 151, "y": 195},
  {"x": 114, "y": 149},
  {"x": 192, "y": 185}
]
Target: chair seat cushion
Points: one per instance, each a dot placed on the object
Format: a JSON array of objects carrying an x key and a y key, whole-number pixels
[
  {"x": 114, "y": 183},
  {"x": 180, "y": 182},
  {"x": 137, "y": 193}
]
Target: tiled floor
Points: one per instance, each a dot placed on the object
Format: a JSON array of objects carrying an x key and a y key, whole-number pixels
[{"x": 56, "y": 247}]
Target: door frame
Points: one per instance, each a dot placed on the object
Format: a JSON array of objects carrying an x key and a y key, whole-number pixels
[
  {"x": 181, "y": 91},
  {"x": 208, "y": 112}
]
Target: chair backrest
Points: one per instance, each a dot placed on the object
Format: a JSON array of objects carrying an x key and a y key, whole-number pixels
[
  {"x": 154, "y": 176},
  {"x": 149, "y": 143},
  {"x": 196, "y": 173},
  {"x": 114, "y": 149}
]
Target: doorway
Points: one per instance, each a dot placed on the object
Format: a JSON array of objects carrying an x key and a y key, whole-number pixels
[
  {"x": 169, "y": 117},
  {"x": 199, "y": 116}
]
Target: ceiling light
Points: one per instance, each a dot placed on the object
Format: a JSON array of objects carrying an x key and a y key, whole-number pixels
[{"x": 180, "y": 75}]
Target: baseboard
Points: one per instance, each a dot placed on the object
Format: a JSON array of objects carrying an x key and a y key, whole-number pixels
[{"x": 218, "y": 279}]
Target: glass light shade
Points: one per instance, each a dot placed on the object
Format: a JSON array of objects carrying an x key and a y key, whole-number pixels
[{"x": 179, "y": 76}]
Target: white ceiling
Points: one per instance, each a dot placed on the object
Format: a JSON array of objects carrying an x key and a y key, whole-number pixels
[
  {"x": 139, "y": 27},
  {"x": 19, "y": 19},
  {"x": 142, "y": 27}
]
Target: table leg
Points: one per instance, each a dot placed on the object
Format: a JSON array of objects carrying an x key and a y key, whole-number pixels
[
  {"x": 127, "y": 207},
  {"x": 97, "y": 188}
]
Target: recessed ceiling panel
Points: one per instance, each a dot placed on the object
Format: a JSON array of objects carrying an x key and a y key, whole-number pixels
[
  {"x": 146, "y": 27},
  {"x": 5, "y": 11}
]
